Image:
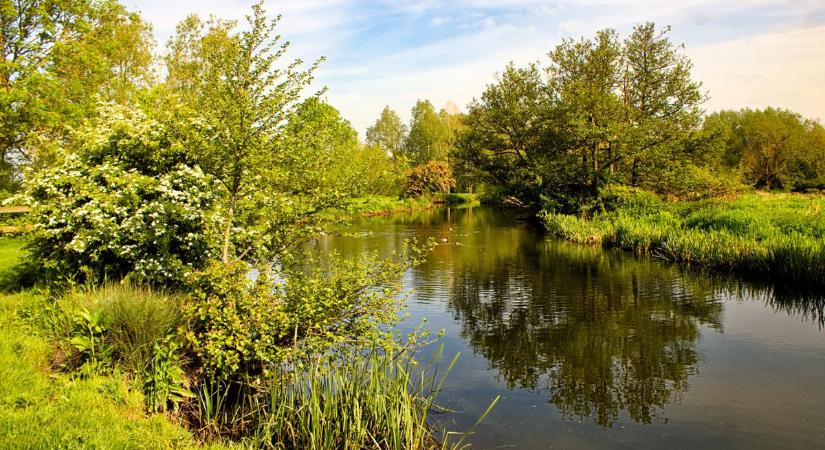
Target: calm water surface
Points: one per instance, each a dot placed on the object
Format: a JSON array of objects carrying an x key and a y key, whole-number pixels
[{"x": 597, "y": 349}]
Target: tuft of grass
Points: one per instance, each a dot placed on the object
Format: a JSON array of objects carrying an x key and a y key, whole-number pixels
[{"x": 136, "y": 319}]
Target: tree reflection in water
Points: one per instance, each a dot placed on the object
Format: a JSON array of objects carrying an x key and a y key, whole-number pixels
[{"x": 603, "y": 332}]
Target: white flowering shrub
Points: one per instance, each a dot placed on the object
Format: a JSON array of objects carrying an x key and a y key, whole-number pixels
[{"x": 129, "y": 202}]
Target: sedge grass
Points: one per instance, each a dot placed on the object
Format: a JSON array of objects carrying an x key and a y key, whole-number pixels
[{"x": 781, "y": 235}]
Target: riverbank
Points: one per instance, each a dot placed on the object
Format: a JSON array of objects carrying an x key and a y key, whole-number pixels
[
  {"x": 86, "y": 367},
  {"x": 776, "y": 235},
  {"x": 383, "y": 205},
  {"x": 41, "y": 407}
]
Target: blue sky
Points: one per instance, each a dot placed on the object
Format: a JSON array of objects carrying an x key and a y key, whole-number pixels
[{"x": 748, "y": 53}]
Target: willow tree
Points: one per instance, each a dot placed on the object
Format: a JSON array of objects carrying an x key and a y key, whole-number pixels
[{"x": 242, "y": 94}]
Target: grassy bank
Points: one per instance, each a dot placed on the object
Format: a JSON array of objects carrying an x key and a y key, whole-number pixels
[
  {"x": 780, "y": 235},
  {"x": 43, "y": 407},
  {"x": 381, "y": 205}
]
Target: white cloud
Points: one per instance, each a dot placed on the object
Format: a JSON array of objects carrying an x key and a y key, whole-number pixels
[{"x": 782, "y": 69}]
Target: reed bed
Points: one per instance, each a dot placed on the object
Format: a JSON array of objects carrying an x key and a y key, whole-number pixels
[{"x": 781, "y": 235}]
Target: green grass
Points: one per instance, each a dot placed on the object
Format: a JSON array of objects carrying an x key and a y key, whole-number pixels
[
  {"x": 43, "y": 407},
  {"x": 376, "y": 205},
  {"x": 780, "y": 235}
]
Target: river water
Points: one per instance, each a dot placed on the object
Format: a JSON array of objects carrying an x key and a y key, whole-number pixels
[{"x": 592, "y": 348}]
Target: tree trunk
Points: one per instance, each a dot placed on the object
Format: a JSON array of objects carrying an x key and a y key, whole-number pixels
[{"x": 227, "y": 232}]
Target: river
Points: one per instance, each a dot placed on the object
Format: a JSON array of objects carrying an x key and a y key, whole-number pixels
[{"x": 592, "y": 348}]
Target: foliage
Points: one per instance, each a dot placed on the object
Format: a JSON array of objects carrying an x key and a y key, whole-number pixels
[
  {"x": 430, "y": 137},
  {"x": 166, "y": 383},
  {"x": 378, "y": 173},
  {"x": 604, "y": 111},
  {"x": 634, "y": 200},
  {"x": 240, "y": 329},
  {"x": 233, "y": 83},
  {"x": 772, "y": 148},
  {"x": 130, "y": 202},
  {"x": 58, "y": 59},
  {"x": 692, "y": 182},
  {"x": 88, "y": 336},
  {"x": 388, "y": 133},
  {"x": 435, "y": 176}
]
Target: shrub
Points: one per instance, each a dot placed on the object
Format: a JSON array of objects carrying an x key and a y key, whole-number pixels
[
  {"x": 239, "y": 330},
  {"x": 435, "y": 176},
  {"x": 129, "y": 202},
  {"x": 617, "y": 197},
  {"x": 692, "y": 182}
]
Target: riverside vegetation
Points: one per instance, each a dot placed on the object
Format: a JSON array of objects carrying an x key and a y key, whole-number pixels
[{"x": 168, "y": 284}]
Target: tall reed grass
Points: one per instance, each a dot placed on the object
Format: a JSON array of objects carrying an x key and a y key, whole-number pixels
[
  {"x": 781, "y": 235},
  {"x": 355, "y": 400}
]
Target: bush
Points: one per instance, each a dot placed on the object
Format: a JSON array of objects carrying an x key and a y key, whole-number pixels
[
  {"x": 129, "y": 202},
  {"x": 691, "y": 183},
  {"x": 435, "y": 176},
  {"x": 617, "y": 197},
  {"x": 239, "y": 330}
]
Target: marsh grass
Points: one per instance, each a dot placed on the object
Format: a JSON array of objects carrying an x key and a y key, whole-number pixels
[
  {"x": 355, "y": 400},
  {"x": 781, "y": 235}
]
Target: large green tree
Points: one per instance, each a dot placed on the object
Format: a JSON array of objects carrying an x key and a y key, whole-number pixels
[
  {"x": 241, "y": 93},
  {"x": 59, "y": 59},
  {"x": 430, "y": 138}
]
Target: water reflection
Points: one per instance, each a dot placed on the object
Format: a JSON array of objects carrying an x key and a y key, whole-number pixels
[{"x": 602, "y": 333}]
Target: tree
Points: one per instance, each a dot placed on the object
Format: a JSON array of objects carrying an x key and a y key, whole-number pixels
[
  {"x": 661, "y": 100},
  {"x": 512, "y": 141},
  {"x": 605, "y": 110},
  {"x": 59, "y": 58},
  {"x": 429, "y": 138},
  {"x": 772, "y": 148},
  {"x": 233, "y": 82},
  {"x": 388, "y": 133}
]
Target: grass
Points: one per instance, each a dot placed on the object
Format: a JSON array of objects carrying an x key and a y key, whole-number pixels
[
  {"x": 42, "y": 408},
  {"x": 779, "y": 235},
  {"x": 377, "y": 400},
  {"x": 377, "y": 205}
]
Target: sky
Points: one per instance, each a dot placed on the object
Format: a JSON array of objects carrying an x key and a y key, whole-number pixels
[{"x": 747, "y": 53}]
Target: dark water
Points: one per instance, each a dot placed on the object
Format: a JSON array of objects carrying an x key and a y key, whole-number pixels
[{"x": 597, "y": 349}]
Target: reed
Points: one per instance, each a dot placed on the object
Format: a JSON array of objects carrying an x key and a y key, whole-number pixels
[{"x": 781, "y": 235}]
